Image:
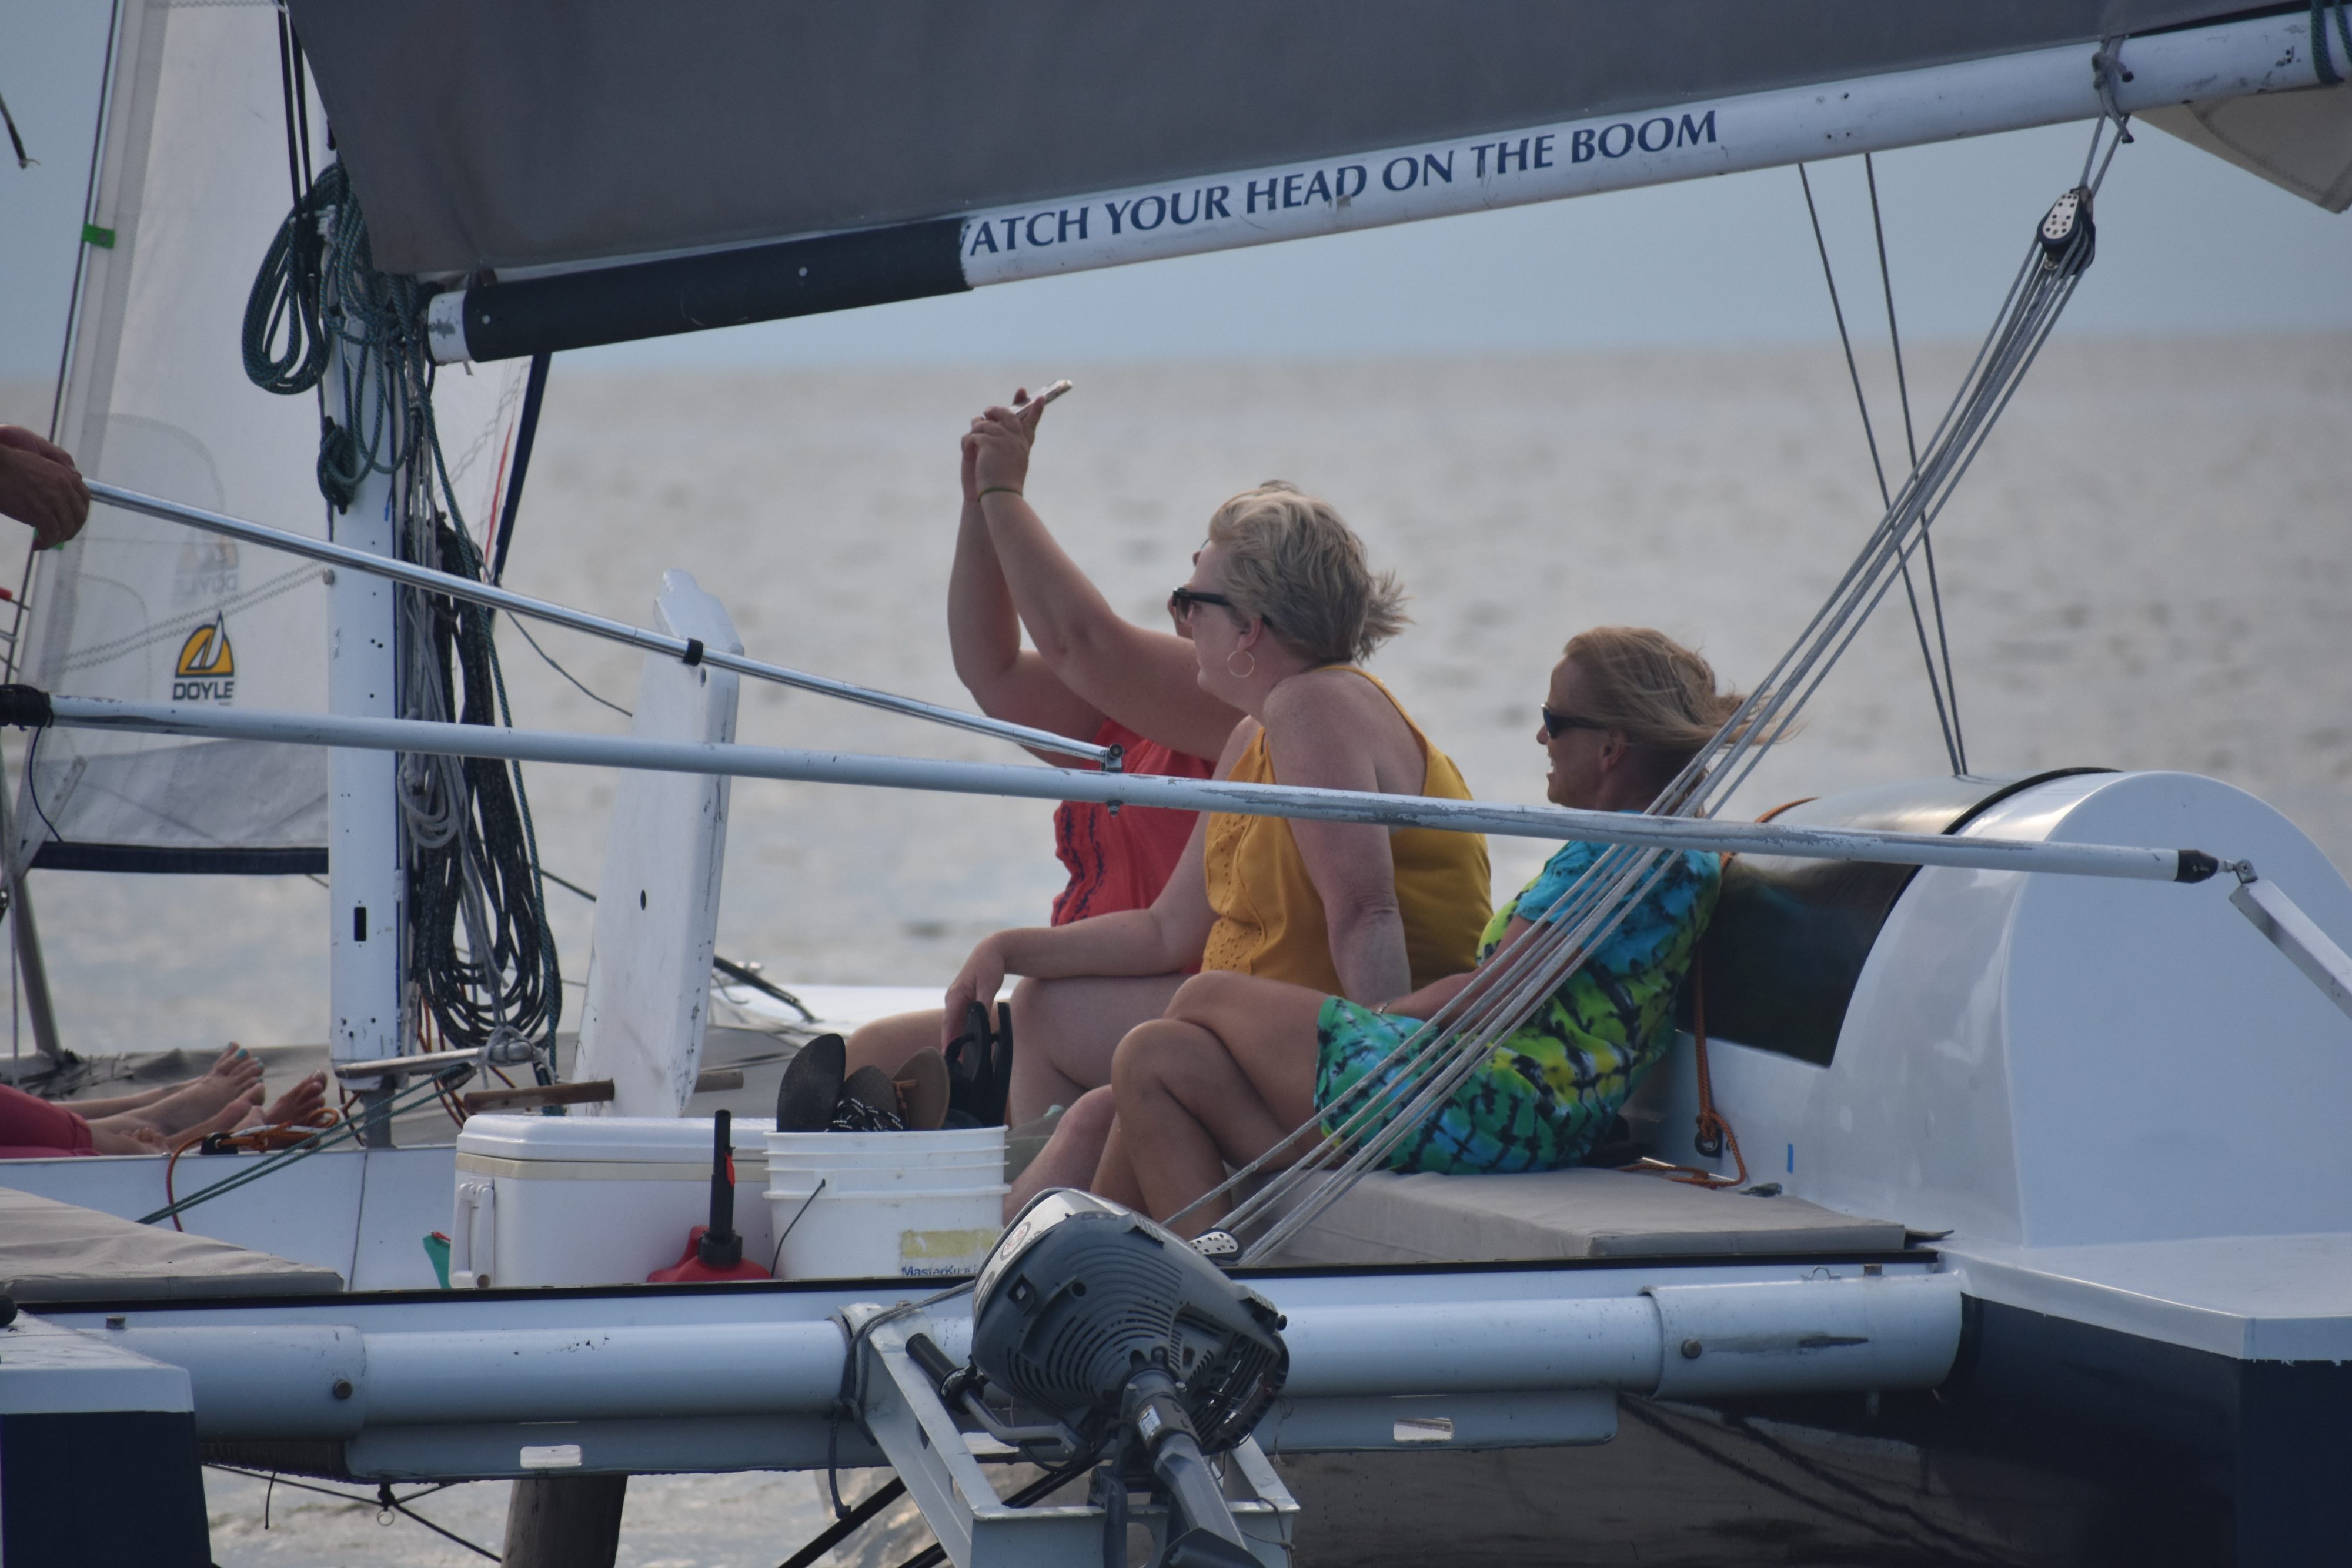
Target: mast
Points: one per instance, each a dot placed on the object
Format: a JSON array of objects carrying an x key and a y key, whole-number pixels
[{"x": 367, "y": 928}]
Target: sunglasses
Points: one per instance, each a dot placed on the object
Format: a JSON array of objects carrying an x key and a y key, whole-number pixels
[
  {"x": 1181, "y": 602},
  {"x": 1553, "y": 723}
]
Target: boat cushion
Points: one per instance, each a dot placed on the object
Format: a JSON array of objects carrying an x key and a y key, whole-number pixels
[
  {"x": 52, "y": 1251},
  {"x": 1581, "y": 1213}
]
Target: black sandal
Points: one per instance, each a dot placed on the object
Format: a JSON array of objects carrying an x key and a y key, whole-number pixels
[{"x": 811, "y": 1086}]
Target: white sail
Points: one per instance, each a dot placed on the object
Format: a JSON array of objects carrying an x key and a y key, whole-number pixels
[{"x": 193, "y": 184}]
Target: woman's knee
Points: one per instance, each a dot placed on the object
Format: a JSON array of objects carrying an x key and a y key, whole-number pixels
[
  {"x": 1089, "y": 1116},
  {"x": 1143, "y": 1056},
  {"x": 1204, "y": 993},
  {"x": 1033, "y": 1002}
]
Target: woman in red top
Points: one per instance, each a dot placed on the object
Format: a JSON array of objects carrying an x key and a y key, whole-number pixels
[{"x": 1090, "y": 674}]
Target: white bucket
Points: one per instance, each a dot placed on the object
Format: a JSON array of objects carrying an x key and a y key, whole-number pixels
[
  {"x": 908, "y": 1204},
  {"x": 845, "y": 1235}
]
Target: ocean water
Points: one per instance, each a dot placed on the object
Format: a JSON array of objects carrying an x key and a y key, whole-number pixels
[{"x": 2147, "y": 568}]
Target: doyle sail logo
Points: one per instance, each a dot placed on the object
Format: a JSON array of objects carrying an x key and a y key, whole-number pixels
[{"x": 206, "y": 672}]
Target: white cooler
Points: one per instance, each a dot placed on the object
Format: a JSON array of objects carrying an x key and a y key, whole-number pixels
[{"x": 594, "y": 1200}]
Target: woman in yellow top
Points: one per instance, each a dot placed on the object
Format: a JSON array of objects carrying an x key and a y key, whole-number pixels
[{"x": 1279, "y": 603}]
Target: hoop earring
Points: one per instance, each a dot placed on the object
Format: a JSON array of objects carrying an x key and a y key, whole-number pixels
[{"x": 1241, "y": 675}]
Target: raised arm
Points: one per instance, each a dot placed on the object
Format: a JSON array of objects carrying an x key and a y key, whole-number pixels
[
  {"x": 1146, "y": 680},
  {"x": 1320, "y": 739},
  {"x": 984, "y": 636}
]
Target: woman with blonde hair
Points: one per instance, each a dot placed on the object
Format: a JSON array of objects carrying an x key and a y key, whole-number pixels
[
  {"x": 1240, "y": 1063},
  {"x": 1280, "y": 606}
]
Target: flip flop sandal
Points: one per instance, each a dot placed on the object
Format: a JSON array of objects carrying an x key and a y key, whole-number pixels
[
  {"x": 811, "y": 1086},
  {"x": 871, "y": 1088},
  {"x": 923, "y": 1088}
]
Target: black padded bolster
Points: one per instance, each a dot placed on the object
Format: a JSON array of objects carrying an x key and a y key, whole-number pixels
[{"x": 25, "y": 708}]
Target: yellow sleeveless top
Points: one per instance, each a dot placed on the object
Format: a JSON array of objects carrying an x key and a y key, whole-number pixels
[{"x": 1270, "y": 917}]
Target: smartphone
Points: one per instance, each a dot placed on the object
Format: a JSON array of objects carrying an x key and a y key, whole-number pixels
[{"x": 1043, "y": 398}]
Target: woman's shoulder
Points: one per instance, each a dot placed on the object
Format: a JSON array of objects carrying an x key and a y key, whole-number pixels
[
  {"x": 1543, "y": 890},
  {"x": 1687, "y": 870},
  {"x": 1320, "y": 690},
  {"x": 1336, "y": 705}
]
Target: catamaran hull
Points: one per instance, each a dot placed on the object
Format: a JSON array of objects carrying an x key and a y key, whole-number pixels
[{"x": 2053, "y": 1443}]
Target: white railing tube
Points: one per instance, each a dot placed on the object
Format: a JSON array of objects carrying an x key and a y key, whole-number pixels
[
  {"x": 1553, "y": 822},
  {"x": 682, "y": 648}
]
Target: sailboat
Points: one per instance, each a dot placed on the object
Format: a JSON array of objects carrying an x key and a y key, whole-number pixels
[{"x": 1986, "y": 1286}]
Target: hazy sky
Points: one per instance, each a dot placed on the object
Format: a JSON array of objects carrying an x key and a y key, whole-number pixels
[{"x": 2186, "y": 244}]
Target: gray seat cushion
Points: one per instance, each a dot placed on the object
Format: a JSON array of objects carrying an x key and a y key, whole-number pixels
[
  {"x": 52, "y": 1251},
  {"x": 1583, "y": 1213}
]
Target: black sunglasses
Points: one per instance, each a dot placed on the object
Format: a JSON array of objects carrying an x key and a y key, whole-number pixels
[
  {"x": 1553, "y": 723},
  {"x": 1181, "y": 602}
]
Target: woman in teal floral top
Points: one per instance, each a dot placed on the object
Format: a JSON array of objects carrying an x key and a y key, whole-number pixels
[{"x": 1239, "y": 1063}]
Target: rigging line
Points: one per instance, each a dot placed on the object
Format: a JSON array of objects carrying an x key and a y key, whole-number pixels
[
  {"x": 1919, "y": 621},
  {"x": 286, "y": 86},
  {"x": 172, "y": 626},
  {"x": 33, "y": 790},
  {"x": 526, "y": 436},
  {"x": 398, "y": 1505},
  {"x": 301, "y": 98},
  {"x": 1750, "y": 723},
  {"x": 1455, "y": 1036},
  {"x": 737, "y": 973},
  {"x": 473, "y": 591},
  {"x": 2017, "y": 339},
  {"x": 14, "y": 141},
  {"x": 516, "y": 622},
  {"x": 1911, "y": 445},
  {"x": 81, "y": 252},
  {"x": 1450, "y": 1072},
  {"x": 1478, "y": 1017}
]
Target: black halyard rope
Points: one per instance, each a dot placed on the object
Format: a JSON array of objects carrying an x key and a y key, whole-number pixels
[
  {"x": 481, "y": 954},
  {"x": 1870, "y": 436},
  {"x": 1369, "y": 1120},
  {"x": 16, "y": 141},
  {"x": 1911, "y": 448}
]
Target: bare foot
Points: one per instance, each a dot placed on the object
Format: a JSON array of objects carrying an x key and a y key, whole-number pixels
[
  {"x": 125, "y": 1137},
  {"x": 234, "y": 1077},
  {"x": 231, "y": 1073},
  {"x": 305, "y": 1099},
  {"x": 238, "y": 1112},
  {"x": 136, "y": 1135}
]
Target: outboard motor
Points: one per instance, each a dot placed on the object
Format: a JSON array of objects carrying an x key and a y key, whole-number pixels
[{"x": 1095, "y": 1316}]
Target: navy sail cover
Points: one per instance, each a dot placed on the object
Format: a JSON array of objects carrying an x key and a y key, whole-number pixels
[{"x": 509, "y": 134}]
